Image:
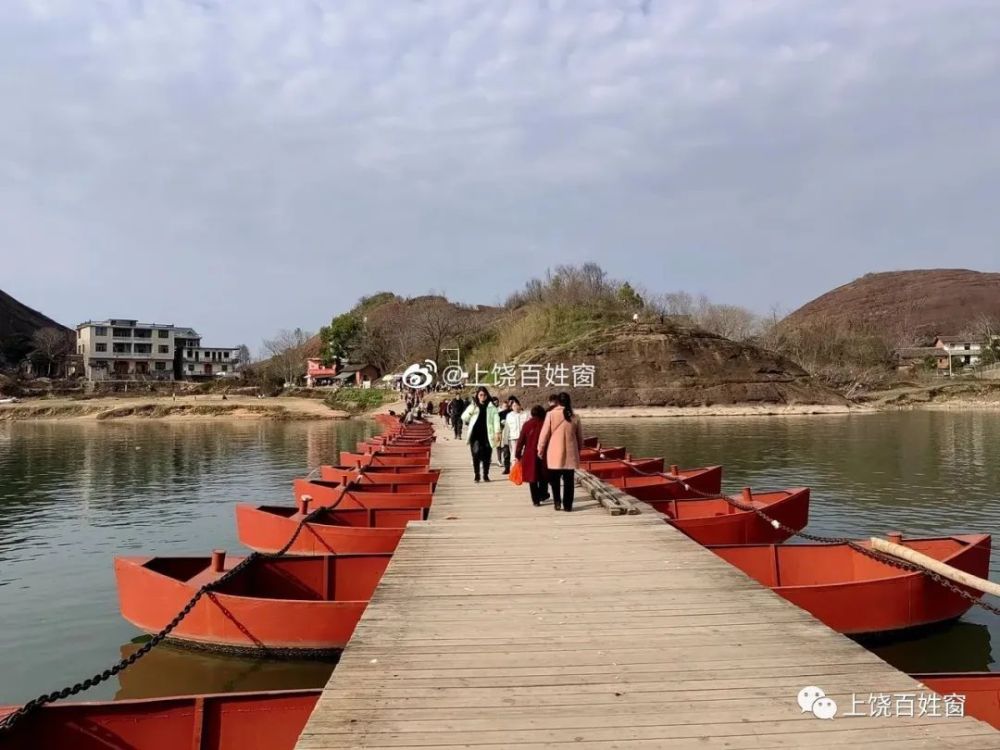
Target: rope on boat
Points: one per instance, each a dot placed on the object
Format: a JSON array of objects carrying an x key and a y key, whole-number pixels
[
  {"x": 875, "y": 554},
  {"x": 948, "y": 571},
  {"x": 13, "y": 718}
]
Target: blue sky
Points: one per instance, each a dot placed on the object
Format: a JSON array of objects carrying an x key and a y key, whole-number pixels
[{"x": 247, "y": 166}]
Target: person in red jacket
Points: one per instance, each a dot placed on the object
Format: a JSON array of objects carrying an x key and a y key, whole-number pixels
[{"x": 526, "y": 451}]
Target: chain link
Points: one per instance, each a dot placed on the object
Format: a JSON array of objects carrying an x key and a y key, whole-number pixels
[
  {"x": 13, "y": 718},
  {"x": 853, "y": 544}
]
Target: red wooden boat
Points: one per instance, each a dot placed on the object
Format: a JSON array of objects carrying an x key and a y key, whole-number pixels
[
  {"x": 591, "y": 442},
  {"x": 607, "y": 468},
  {"x": 299, "y": 605},
  {"x": 379, "y": 475},
  {"x": 395, "y": 447},
  {"x": 328, "y": 494},
  {"x": 416, "y": 440},
  {"x": 680, "y": 483},
  {"x": 376, "y": 459},
  {"x": 267, "y": 528},
  {"x": 393, "y": 488},
  {"x": 856, "y": 594},
  {"x": 716, "y": 521},
  {"x": 600, "y": 452},
  {"x": 395, "y": 432},
  {"x": 395, "y": 450},
  {"x": 225, "y": 721},
  {"x": 981, "y": 691}
]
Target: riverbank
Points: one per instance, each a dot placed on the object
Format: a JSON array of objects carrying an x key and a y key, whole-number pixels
[
  {"x": 727, "y": 410},
  {"x": 201, "y": 406},
  {"x": 297, "y": 408},
  {"x": 951, "y": 394}
]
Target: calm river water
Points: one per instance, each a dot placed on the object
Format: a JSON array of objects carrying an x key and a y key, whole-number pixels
[{"x": 74, "y": 495}]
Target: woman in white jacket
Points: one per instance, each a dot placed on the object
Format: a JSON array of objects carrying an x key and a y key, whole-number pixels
[{"x": 512, "y": 425}]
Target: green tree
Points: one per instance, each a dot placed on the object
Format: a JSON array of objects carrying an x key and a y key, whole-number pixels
[
  {"x": 630, "y": 297},
  {"x": 341, "y": 336}
]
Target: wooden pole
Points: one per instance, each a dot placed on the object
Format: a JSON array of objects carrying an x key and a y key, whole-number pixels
[{"x": 936, "y": 566}]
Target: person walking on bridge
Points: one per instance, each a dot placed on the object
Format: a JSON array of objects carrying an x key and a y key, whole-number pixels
[
  {"x": 526, "y": 452},
  {"x": 559, "y": 444},
  {"x": 510, "y": 427},
  {"x": 483, "y": 420},
  {"x": 455, "y": 409}
]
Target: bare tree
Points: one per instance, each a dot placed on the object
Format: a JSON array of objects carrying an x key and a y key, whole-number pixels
[
  {"x": 587, "y": 284},
  {"x": 438, "y": 325},
  {"x": 243, "y": 355},
  {"x": 769, "y": 334},
  {"x": 902, "y": 330},
  {"x": 375, "y": 347},
  {"x": 678, "y": 304},
  {"x": 50, "y": 347},
  {"x": 730, "y": 321},
  {"x": 287, "y": 352}
]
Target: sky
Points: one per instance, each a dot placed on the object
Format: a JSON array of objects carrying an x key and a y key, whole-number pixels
[{"x": 242, "y": 167}]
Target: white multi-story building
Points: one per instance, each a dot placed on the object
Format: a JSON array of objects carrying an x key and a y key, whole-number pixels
[
  {"x": 962, "y": 349},
  {"x": 122, "y": 349}
]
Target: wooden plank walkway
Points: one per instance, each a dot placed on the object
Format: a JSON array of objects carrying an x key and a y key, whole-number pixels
[{"x": 502, "y": 625}]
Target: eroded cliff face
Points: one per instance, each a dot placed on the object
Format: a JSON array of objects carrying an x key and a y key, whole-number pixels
[{"x": 667, "y": 365}]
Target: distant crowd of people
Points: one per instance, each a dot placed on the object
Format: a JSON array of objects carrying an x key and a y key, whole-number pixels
[{"x": 544, "y": 440}]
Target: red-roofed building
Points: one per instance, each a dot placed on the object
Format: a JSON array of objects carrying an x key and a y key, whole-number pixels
[
  {"x": 338, "y": 373},
  {"x": 318, "y": 374}
]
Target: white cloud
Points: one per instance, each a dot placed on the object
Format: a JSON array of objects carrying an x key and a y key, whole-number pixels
[{"x": 308, "y": 152}]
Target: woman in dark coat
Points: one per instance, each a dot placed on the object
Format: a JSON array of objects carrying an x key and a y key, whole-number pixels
[{"x": 526, "y": 451}]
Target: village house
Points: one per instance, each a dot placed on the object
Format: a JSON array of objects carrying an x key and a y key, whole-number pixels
[
  {"x": 963, "y": 350},
  {"x": 124, "y": 349},
  {"x": 949, "y": 353},
  {"x": 339, "y": 373},
  {"x": 917, "y": 357}
]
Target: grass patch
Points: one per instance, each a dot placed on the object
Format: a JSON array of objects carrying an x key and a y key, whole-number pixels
[
  {"x": 539, "y": 327},
  {"x": 360, "y": 400}
]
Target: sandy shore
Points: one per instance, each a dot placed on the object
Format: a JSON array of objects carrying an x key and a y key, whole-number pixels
[
  {"x": 291, "y": 408},
  {"x": 204, "y": 406},
  {"x": 731, "y": 410}
]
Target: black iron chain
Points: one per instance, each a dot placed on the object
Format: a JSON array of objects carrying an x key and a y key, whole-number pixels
[
  {"x": 13, "y": 718},
  {"x": 867, "y": 551}
]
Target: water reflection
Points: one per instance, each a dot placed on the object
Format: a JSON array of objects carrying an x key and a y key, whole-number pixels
[
  {"x": 73, "y": 495},
  {"x": 956, "y": 647},
  {"x": 173, "y": 670},
  {"x": 921, "y": 472}
]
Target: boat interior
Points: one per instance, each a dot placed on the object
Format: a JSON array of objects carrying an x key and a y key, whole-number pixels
[
  {"x": 777, "y": 565},
  {"x": 381, "y": 518},
  {"x": 319, "y": 578}
]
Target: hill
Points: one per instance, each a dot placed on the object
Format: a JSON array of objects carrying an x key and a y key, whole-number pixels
[
  {"x": 658, "y": 361},
  {"x": 905, "y": 307},
  {"x": 17, "y": 319},
  {"x": 18, "y": 323},
  {"x": 671, "y": 364}
]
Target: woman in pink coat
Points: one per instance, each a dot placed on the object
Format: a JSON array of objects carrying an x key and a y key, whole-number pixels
[{"x": 559, "y": 444}]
